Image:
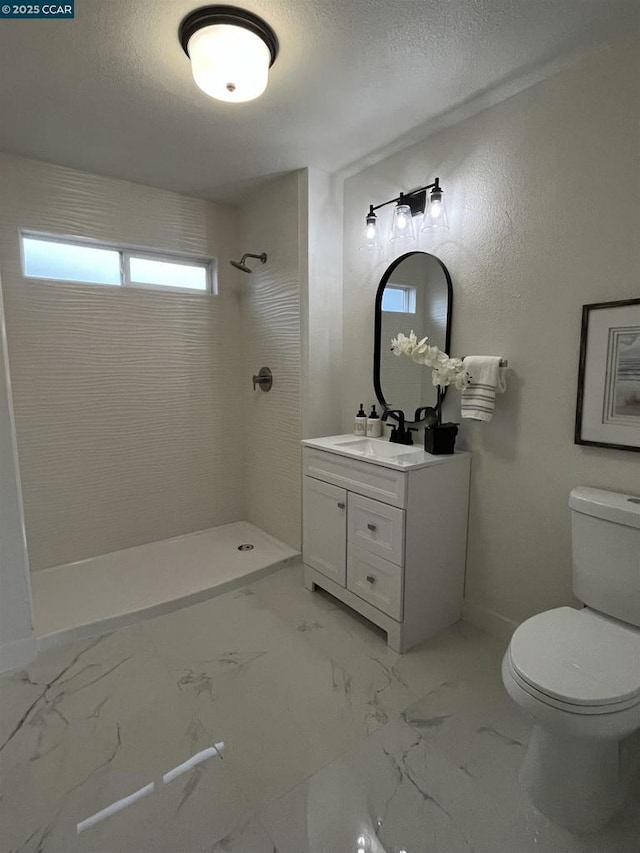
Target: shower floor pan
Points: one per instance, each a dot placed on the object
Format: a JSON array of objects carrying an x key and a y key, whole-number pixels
[{"x": 92, "y": 596}]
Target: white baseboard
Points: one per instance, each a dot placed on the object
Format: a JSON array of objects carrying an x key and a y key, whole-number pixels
[
  {"x": 17, "y": 654},
  {"x": 488, "y": 620}
]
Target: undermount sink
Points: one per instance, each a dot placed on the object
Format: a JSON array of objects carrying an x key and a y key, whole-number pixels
[{"x": 379, "y": 449}]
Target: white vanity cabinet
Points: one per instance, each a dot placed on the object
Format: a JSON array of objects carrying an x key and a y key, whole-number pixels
[{"x": 385, "y": 531}]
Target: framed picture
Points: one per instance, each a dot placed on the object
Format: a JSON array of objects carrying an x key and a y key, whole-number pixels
[{"x": 608, "y": 406}]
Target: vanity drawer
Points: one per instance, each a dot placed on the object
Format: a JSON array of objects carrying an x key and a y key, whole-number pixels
[
  {"x": 365, "y": 478},
  {"x": 376, "y": 527},
  {"x": 375, "y": 580}
]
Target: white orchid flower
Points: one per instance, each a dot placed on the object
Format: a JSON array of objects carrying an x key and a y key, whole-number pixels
[
  {"x": 446, "y": 371},
  {"x": 399, "y": 344}
]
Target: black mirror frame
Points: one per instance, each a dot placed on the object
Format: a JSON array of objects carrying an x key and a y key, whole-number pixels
[{"x": 377, "y": 331}]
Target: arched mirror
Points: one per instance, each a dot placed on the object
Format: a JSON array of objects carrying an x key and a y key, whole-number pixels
[{"x": 415, "y": 293}]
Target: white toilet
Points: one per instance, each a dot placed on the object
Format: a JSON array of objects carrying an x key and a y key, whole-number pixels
[{"x": 577, "y": 672}]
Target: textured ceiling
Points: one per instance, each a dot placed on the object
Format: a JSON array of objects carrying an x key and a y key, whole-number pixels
[{"x": 111, "y": 92}]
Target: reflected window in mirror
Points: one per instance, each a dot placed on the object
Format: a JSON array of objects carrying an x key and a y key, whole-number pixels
[{"x": 399, "y": 299}]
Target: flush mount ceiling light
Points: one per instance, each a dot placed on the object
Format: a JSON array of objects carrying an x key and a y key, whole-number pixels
[
  {"x": 231, "y": 51},
  {"x": 427, "y": 200}
]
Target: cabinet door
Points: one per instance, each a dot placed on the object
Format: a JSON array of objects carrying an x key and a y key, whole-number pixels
[{"x": 324, "y": 542}]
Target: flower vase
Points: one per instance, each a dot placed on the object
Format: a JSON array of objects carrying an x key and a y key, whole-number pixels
[{"x": 439, "y": 438}]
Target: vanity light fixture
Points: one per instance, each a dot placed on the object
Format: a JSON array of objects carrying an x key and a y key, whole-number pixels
[
  {"x": 427, "y": 200},
  {"x": 231, "y": 51},
  {"x": 435, "y": 212},
  {"x": 371, "y": 237},
  {"x": 402, "y": 221}
]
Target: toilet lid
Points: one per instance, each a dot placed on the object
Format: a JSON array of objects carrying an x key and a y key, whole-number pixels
[{"x": 578, "y": 657}]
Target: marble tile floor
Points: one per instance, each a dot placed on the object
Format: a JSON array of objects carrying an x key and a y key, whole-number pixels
[{"x": 323, "y": 736}]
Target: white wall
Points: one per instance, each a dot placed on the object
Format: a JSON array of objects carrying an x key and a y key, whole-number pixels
[
  {"x": 17, "y": 645},
  {"x": 321, "y": 222},
  {"x": 271, "y": 338},
  {"x": 543, "y": 192},
  {"x": 292, "y": 323},
  {"x": 127, "y": 402}
]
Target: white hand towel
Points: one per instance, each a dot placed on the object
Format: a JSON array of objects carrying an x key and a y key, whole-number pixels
[{"x": 487, "y": 378}]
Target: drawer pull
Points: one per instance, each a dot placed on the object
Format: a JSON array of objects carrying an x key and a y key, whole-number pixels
[
  {"x": 340, "y": 505},
  {"x": 371, "y": 527},
  {"x": 371, "y": 579}
]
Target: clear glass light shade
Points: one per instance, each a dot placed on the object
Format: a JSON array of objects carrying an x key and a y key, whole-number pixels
[
  {"x": 229, "y": 63},
  {"x": 402, "y": 223},
  {"x": 371, "y": 235},
  {"x": 435, "y": 214}
]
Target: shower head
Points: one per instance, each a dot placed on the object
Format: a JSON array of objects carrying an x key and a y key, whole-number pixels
[{"x": 240, "y": 265}]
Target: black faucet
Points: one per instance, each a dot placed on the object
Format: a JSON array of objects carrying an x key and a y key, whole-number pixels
[{"x": 400, "y": 434}]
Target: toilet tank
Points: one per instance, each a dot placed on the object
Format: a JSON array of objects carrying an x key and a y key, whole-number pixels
[{"x": 605, "y": 537}]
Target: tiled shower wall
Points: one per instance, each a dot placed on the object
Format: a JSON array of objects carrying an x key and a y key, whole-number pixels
[
  {"x": 126, "y": 401},
  {"x": 271, "y": 338}
]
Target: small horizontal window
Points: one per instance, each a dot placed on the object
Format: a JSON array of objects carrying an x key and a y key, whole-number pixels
[
  {"x": 61, "y": 260},
  {"x": 399, "y": 299},
  {"x": 70, "y": 261},
  {"x": 168, "y": 274}
]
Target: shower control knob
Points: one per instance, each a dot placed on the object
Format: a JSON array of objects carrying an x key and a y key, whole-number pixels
[{"x": 264, "y": 379}]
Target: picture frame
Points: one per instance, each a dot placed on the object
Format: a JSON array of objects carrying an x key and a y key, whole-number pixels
[{"x": 608, "y": 401}]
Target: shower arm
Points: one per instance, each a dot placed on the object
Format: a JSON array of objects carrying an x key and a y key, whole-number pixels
[{"x": 241, "y": 265}]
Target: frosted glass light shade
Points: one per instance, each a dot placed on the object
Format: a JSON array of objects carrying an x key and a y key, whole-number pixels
[
  {"x": 402, "y": 223},
  {"x": 229, "y": 63}
]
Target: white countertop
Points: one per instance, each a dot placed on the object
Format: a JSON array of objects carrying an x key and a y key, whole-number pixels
[{"x": 379, "y": 451}]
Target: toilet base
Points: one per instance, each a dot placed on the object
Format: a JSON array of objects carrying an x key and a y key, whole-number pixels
[{"x": 578, "y": 783}]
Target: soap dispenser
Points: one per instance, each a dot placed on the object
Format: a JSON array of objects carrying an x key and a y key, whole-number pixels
[
  {"x": 360, "y": 422},
  {"x": 374, "y": 424}
]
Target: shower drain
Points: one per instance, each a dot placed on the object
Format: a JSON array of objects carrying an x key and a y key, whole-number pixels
[{"x": 246, "y": 547}]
